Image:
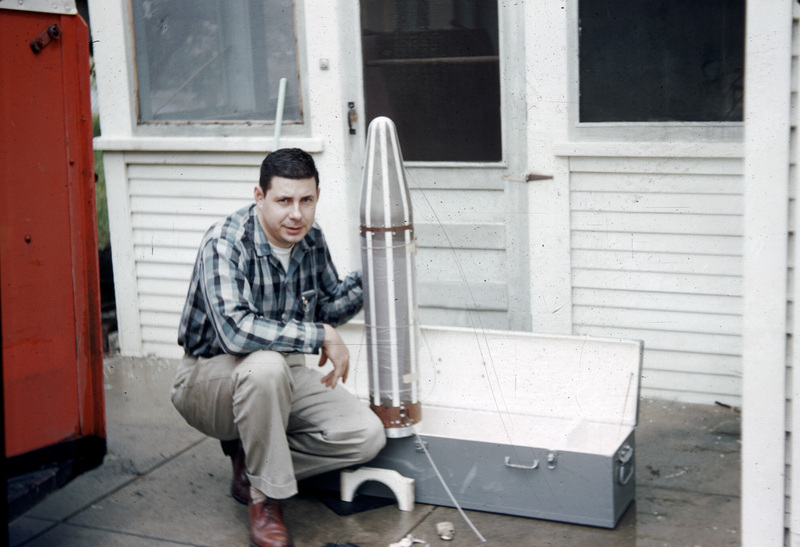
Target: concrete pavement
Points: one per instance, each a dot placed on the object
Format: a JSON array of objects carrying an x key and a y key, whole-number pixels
[{"x": 162, "y": 483}]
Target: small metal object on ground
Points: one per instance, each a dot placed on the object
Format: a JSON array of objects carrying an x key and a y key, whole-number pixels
[{"x": 446, "y": 530}]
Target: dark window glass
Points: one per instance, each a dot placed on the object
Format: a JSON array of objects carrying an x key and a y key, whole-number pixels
[
  {"x": 215, "y": 60},
  {"x": 661, "y": 60},
  {"x": 433, "y": 67}
]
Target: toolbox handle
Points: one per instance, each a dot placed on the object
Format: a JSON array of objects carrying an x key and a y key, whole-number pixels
[
  {"x": 624, "y": 459},
  {"x": 520, "y": 466},
  {"x": 625, "y": 477}
]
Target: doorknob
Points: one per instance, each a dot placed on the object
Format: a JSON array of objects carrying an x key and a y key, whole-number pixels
[{"x": 352, "y": 117}]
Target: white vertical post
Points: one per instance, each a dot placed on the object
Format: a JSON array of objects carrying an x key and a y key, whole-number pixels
[
  {"x": 114, "y": 67},
  {"x": 120, "y": 222},
  {"x": 766, "y": 178},
  {"x": 337, "y": 211},
  {"x": 794, "y": 449},
  {"x": 279, "y": 113},
  {"x": 114, "y": 61},
  {"x": 548, "y": 201}
]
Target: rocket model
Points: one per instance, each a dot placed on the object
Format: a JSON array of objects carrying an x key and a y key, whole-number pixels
[{"x": 388, "y": 251}]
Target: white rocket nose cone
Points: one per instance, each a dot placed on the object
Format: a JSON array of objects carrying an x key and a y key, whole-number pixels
[{"x": 385, "y": 199}]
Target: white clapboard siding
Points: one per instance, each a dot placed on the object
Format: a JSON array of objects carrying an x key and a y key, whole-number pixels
[
  {"x": 644, "y": 261},
  {"x": 658, "y": 282},
  {"x": 168, "y": 205},
  {"x": 460, "y": 226},
  {"x": 660, "y": 223},
  {"x": 177, "y": 222},
  {"x": 684, "y": 342},
  {"x": 641, "y": 203},
  {"x": 655, "y": 242},
  {"x": 180, "y": 272},
  {"x": 650, "y": 169},
  {"x": 174, "y": 198},
  {"x": 656, "y": 255},
  {"x": 666, "y": 183},
  {"x": 702, "y": 363},
  {"x": 162, "y": 319},
  {"x": 670, "y": 321},
  {"x": 643, "y": 300}
]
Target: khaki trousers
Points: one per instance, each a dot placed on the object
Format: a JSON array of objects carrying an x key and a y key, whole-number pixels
[{"x": 290, "y": 424}]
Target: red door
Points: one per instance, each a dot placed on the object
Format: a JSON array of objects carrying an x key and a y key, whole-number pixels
[{"x": 49, "y": 291}]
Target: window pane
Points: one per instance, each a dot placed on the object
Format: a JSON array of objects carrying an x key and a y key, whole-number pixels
[
  {"x": 661, "y": 60},
  {"x": 432, "y": 66},
  {"x": 215, "y": 60}
]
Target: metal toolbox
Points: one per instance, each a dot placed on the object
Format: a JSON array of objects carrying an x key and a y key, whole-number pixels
[
  {"x": 569, "y": 482},
  {"x": 522, "y": 424}
]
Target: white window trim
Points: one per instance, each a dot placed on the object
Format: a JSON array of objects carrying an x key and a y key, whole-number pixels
[
  {"x": 642, "y": 149},
  {"x": 204, "y": 144},
  {"x": 634, "y": 131},
  {"x": 255, "y": 129}
]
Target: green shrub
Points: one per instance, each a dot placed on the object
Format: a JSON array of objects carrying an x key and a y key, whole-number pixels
[{"x": 103, "y": 234}]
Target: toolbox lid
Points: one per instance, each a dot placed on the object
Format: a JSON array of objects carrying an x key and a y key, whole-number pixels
[{"x": 576, "y": 378}]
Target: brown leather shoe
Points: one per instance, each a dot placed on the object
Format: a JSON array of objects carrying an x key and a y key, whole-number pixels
[
  {"x": 240, "y": 485},
  {"x": 266, "y": 525}
]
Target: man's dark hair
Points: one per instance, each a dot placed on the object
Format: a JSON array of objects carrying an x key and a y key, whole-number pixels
[{"x": 289, "y": 163}]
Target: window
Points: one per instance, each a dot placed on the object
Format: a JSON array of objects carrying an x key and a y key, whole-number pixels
[
  {"x": 661, "y": 60},
  {"x": 433, "y": 67},
  {"x": 215, "y": 60}
]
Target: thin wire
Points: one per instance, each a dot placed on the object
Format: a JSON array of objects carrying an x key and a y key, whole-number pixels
[
  {"x": 500, "y": 404},
  {"x": 446, "y": 489}
]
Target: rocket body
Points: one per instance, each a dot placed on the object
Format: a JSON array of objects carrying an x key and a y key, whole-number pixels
[{"x": 388, "y": 255}]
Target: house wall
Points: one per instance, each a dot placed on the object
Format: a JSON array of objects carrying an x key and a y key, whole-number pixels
[
  {"x": 656, "y": 255},
  {"x": 639, "y": 232},
  {"x": 634, "y": 240}
]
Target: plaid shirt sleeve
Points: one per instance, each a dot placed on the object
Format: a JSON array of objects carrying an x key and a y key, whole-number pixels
[{"x": 339, "y": 300}]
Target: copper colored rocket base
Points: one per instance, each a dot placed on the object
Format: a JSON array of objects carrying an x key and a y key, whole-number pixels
[{"x": 398, "y": 419}]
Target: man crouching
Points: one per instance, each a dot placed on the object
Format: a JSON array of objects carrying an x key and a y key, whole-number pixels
[{"x": 263, "y": 293}]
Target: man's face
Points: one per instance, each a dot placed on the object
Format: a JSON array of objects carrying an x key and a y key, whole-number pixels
[{"x": 286, "y": 212}]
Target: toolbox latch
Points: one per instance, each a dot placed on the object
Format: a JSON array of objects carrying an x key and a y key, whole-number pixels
[{"x": 625, "y": 462}]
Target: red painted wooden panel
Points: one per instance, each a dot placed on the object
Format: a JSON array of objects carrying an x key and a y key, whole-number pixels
[{"x": 52, "y": 357}]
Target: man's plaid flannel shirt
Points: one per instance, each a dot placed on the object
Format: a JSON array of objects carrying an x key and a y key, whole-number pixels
[{"x": 240, "y": 299}]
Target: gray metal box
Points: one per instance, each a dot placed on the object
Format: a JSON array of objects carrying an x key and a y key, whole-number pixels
[
  {"x": 592, "y": 487},
  {"x": 524, "y": 424}
]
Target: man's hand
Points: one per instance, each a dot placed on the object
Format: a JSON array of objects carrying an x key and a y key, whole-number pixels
[{"x": 333, "y": 349}]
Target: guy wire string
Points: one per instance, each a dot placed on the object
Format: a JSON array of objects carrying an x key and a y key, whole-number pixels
[{"x": 480, "y": 336}]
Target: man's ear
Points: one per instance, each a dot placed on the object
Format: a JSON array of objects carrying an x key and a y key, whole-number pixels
[
  {"x": 258, "y": 193},
  {"x": 317, "y": 193}
]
